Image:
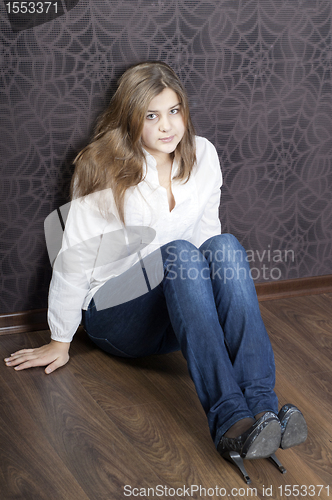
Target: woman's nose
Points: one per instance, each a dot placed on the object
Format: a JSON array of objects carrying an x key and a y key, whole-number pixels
[{"x": 164, "y": 124}]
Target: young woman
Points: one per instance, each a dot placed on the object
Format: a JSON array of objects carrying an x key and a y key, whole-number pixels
[{"x": 143, "y": 257}]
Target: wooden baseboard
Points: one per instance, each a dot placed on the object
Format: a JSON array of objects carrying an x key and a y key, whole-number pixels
[
  {"x": 23, "y": 322},
  {"x": 36, "y": 320},
  {"x": 313, "y": 285}
]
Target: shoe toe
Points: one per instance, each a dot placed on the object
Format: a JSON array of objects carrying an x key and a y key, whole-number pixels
[
  {"x": 265, "y": 443},
  {"x": 295, "y": 430}
]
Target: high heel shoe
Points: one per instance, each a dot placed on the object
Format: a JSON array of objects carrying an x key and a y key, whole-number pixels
[
  {"x": 278, "y": 464},
  {"x": 294, "y": 429},
  {"x": 261, "y": 440}
]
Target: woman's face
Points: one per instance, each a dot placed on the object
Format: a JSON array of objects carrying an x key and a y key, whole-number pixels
[{"x": 163, "y": 126}]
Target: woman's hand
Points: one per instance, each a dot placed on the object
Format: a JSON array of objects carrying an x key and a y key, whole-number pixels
[{"x": 54, "y": 354}]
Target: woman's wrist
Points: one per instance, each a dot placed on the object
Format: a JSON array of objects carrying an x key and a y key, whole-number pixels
[{"x": 58, "y": 343}]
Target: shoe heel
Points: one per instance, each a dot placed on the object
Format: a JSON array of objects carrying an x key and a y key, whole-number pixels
[
  {"x": 234, "y": 458},
  {"x": 276, "y": 462}
]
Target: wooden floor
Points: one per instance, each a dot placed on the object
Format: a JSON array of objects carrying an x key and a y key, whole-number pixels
[{"x": 100, "y": 423}]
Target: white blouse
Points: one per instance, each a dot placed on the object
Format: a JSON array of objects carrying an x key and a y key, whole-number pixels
[{"x": 82, "y": 267}]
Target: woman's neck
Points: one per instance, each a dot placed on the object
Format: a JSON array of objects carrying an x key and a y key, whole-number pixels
[
  {"x": 163, "y": 160},
  {"x": 164, "y": 171}
]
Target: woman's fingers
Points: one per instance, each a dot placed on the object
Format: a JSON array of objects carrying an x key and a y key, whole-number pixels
[
  {"x": 20, "y": 356},
  {"x": 26, "y": 358},
  {"x": 52, "y": 355},
  {"x": 22, "y": 365},
  {"x": 19, "y": 353}
]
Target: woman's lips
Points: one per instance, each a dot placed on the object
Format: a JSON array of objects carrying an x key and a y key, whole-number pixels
[{"x": 167, "y": 139}]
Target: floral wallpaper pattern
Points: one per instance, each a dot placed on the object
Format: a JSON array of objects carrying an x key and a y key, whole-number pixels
[{"x": 258, "y": 74}]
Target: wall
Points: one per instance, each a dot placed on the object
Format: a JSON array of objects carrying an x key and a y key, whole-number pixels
[{"x": 258, "y": 74}]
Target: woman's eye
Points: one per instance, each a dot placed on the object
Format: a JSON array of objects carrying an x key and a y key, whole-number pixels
[
  {"x": 151, "y": 116},
  {"x": 174, "y": 111}
]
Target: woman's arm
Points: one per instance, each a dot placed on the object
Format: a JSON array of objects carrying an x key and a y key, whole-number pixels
[
  {"x": 54, "y": 355},
  {"x": 210, "y": 177},
  {"x": 73, "y": 268},
  {"x": 68, "y": 288}
]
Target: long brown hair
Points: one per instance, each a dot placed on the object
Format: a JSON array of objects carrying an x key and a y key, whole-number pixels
[{"x": 114, "y": 158}]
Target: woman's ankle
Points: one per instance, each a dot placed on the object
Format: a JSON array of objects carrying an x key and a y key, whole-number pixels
[
  {"x": 259, "y": 415},
  {"x": 239, "y": 427}
]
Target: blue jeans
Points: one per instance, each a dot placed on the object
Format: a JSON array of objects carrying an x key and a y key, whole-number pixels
[{"x": 206, "y": 305}]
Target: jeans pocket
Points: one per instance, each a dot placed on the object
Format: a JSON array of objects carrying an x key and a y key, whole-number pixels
[{"x": 106, "y": 346}]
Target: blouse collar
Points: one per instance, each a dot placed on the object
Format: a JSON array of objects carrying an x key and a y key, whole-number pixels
[{"x": 150, "y": 164}]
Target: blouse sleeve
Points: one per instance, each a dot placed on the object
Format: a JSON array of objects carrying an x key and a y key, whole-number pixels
[
  {"x": 210, "y": 221},
  {"x": 72, "y": 269},
  {"x": 64, "y": 307}
]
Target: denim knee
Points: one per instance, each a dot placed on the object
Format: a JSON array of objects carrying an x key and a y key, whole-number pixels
[
  {"x": 181, "y": 252},
  {"x": 224, "y": 248}
]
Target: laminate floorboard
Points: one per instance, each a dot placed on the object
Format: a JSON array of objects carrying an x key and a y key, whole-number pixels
[{"x": 100, "y": 423}]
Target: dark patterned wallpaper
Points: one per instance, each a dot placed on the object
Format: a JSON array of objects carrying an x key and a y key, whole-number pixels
[{"x": 258, "y": 73}]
